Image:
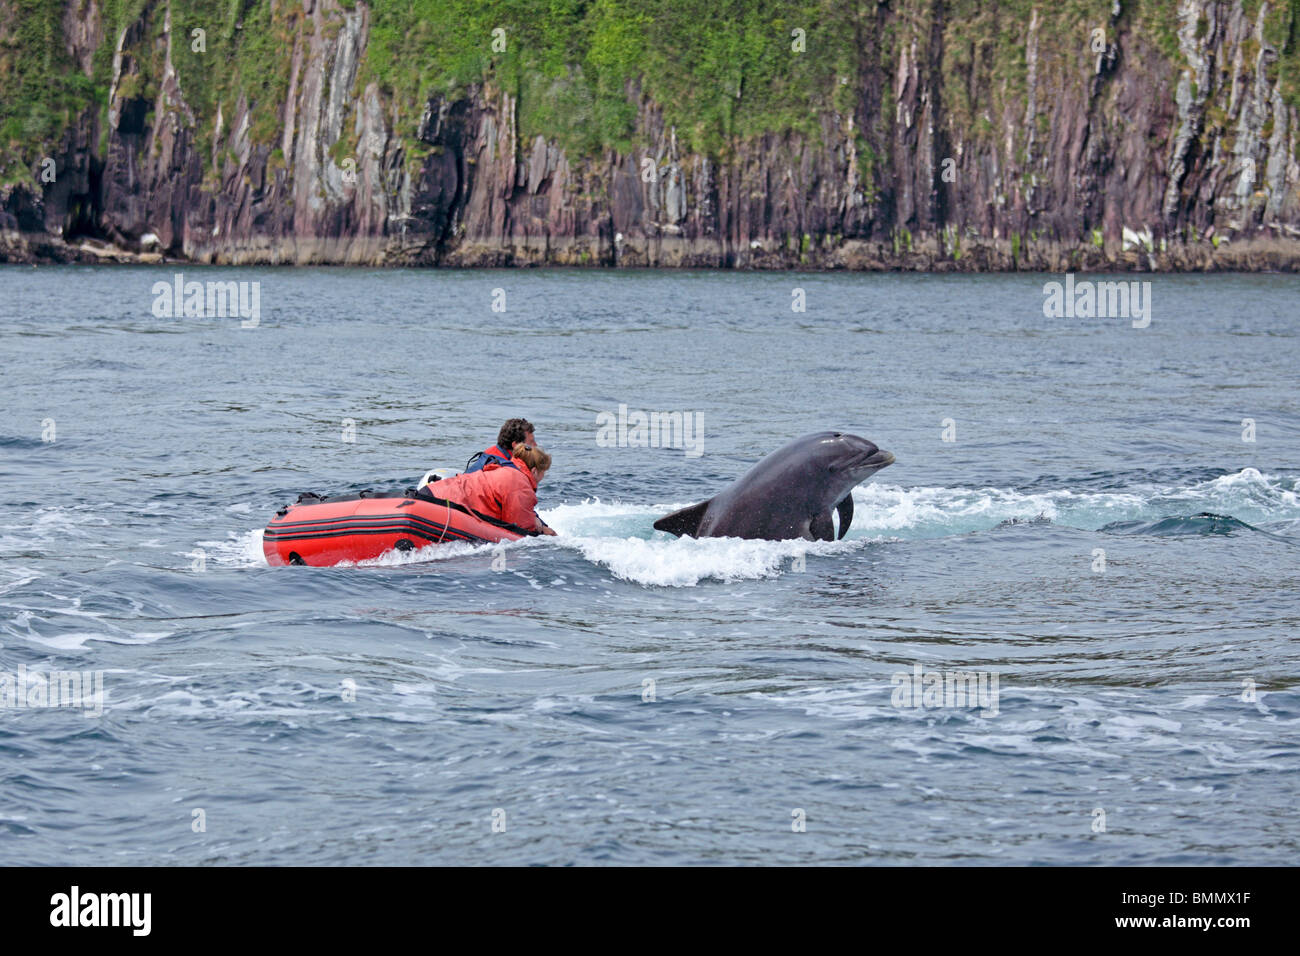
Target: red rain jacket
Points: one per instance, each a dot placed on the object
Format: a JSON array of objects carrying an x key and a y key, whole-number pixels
[{"x": 498, "y": 491}]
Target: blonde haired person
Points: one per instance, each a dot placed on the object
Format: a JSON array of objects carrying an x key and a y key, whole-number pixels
[{"x": 507, "y": 492}]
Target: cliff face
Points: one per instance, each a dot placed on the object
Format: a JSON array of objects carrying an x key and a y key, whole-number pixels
[{"x": 994, "y": 135}]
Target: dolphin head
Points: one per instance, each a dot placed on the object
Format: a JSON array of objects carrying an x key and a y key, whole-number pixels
[{"x": 849, "y": 459}]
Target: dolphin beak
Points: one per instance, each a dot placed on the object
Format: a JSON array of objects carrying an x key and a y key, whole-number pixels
[{"x": 881, "y": 458}]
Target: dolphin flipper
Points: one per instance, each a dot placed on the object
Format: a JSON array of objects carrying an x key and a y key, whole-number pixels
[
  {"x": 686, "y": 521},
  {"x": 821, "y": 527},
  {"x": 845, "y": 508}
]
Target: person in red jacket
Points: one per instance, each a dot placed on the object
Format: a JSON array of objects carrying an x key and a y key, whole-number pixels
[
  {"x": 512, "y": 432},
  {"x": 515, "y": 430},
  {"x": 507, "y": 492}
]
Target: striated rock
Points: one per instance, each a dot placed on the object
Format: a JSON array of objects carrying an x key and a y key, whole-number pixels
[{"x": 928, "y": 170}]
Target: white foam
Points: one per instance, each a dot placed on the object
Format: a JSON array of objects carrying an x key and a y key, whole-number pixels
[
  {"x": 22, "y": 576},
  {"x": 920, "y": 512},
  {"x": 52, "y": 527},
  {"x": 1139, "y": 726},
  {"x": 1247, "y": 495},
  {"x": 76, "y": 640},
  {"x": 432, "y": 552},
  {"x": 242, "y": 549},
  {"x": 1247, "y": 476},
  {"x": 595, "y": 518},
  {"x": 685, "y": 562}
]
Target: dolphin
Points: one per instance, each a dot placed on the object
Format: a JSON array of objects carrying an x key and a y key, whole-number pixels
[{"x": 789, "y": 494}]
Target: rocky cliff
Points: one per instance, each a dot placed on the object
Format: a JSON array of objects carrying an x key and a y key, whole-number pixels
[{"x": 939, "y": 134}]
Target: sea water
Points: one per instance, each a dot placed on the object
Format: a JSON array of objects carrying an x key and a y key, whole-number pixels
[{"x": 1096, "y": 522}]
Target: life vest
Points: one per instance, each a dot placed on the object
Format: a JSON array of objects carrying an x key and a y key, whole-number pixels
[{"x": 490, "y": 456}]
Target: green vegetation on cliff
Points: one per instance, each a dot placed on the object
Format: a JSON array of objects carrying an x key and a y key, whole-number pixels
[
  {"x": 41, "y": 90},
  {"x": 720, "y": 70}
]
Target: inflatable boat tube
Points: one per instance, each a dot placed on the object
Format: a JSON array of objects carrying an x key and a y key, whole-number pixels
[{"x": 327, "y": 531}]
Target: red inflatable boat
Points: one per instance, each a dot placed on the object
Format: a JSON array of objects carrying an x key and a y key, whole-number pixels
[{"x": 326, "y": 531}]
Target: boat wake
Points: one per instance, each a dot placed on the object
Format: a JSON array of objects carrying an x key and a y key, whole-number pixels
[
  {"x": 1245, "y": 500},
  {"x": 619, "y": 535}
]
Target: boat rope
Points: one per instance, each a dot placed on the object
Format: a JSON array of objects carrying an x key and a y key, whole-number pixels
[{"x": 446, "y": 526}]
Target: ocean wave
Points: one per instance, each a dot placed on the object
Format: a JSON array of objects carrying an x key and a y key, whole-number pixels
[
  {"x": 685, "y": 562},
  {"x": 1247, "y": 497},
  {"x": 620, "y": 535}
]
